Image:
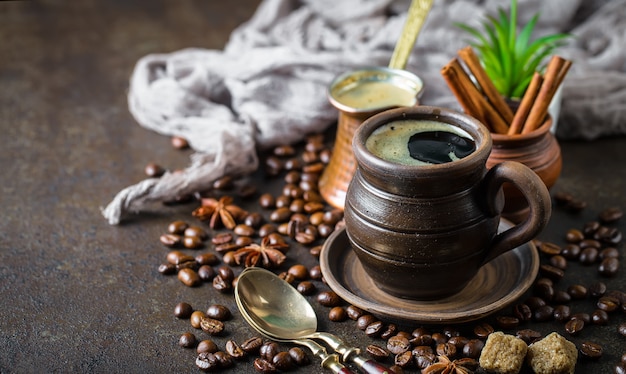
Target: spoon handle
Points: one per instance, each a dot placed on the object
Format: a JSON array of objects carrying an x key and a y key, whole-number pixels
[{"x": 369, "y": 366}]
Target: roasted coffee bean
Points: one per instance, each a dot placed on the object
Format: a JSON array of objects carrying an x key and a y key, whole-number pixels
[
  {"x": 207, "y": 346},
  {"x": 589, "y": 243},
  {"x": 292, "y": 191},
  {"x": 612, "y": 237},
  {"x": 306, "y": 288},
  {"x": 483, "y": 330},
  {"x": 229, "y": 258},
  {"x": 374, "y": 329},
  {"x": 252, "y": 345},
  {"x": 507, "y": 322},
  {"x": 196, "y": 231},
  {"x": 154, "y": 170},
  {"x": 284, "y": 151},
  {"x": 608, "y": 303},
  {"x": 563, "y": 198},
  {"x": 590, "y": 228},
  {"x": 473, "y": 348},
  {"x": 283, "y": 201},
  {"x": 299, "y": 272},
  {"x": 243, "y": 230},
  {"x": 223, "y": 183},
  {"x": 292, "y": 177},
  {"x": 404, "y": 359},
  {"x": 226, "y": 272},
  {"x": 558, "y": 262},
  {"x": 365, "y": 320},
  {"x": 562, "y": 313},
  {"x": 328, "y": 298},
  {"x": 309, "y": 157},
  {"x": 543, "y": 313},
  {"x": 389, "y": 331},
  {"x": 622, "y": 328},
  {"x": 264, "y": 366},
  {"x": 398, "y": 344},
  {"x": 211, "y": 326},
  {"x": 337, "y": 314},
  {"x": 167, "y": 269},
  {"x": 222, "y": 285},
  {"x": 218, "y": 312},
  {"x": 177, "y": 227},
  {"x": 280, "y": 215},
  {"x": 446, "y": 349},
  {"x": 571, "y": 252},
  {"x": 458, "y": 341},
  {"x": 297, "y": 206},
  {"x": 306, "y": 237},
  {"x": 439, "y": 338},
  {"x": 254, "y": 220},
  {"x": 377, "y": 352},
  {"x": 577, "y": 291},
  {"x": 274, "y": 165},
  {"x": 423, "y": 361},
  {"x": 246, "y": 190},
  {"x": 289, "y": 278},
  {"x": 609, "y": 267},
  {"x": 179, "y": 142},
  {"x": 207, "y": 259},
  {"x": 585, "y": 317},
  {"x": 187, "y": 340},
  {"x": 293, "y": 164},
  {"x": 561, "y": 297},
  {"x": 195, "y": 318},
  {"x": 183, "y": 310},
  {"x": 234, "y": 350},
  {"x": 599, "y": 317},
  {"x": 597, "y": 289},
  {"x": 545, "y": 291},
  {"x": 313, "y": 196},
  {"x": 550, "y": 249},
  {"x": 620, "y": 368},
  {"x": 298, "y": 356},
  {"x": 450, "y": 331},
  {"x": 325, "y": 155},
  {"x": 267, "y": 201},
  {"x": 574, "y": 236},
  {"x": 535, "y": 302},
  {"x": 178, "y": 257},
  {"x": 588, "y": 256},
  {"x": 551, "y": 272},
  {"x": 611, "y": 215},
  {"x": 528, "y": 335},
  {"x": 522, "y": 312},
  {"x": 574, "y": 326},
  {"x": 576, "y": 206},
  {"x": 187, "y": 265},
  {"x": 206, "y": 361},
  {"x": 189, "y": 277},
  {"x": 267, "y": 229},
  {"x": 590, "y": 350},
  {"x": 192, "y": 242},
  {"x": 268, "y": 350},
  {"x": 224, "y": 359},
  {"x": 315, "y": 272},
  {"x": 609, "y": 252},
  {"x": 354, "y": 312},
  {"x": 424, "y": 339},
  {"x": 170, "y": 240},
  {"x": 331, "y": 217}
]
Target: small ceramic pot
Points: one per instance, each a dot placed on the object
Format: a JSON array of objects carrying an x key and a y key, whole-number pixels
[
  {"x": 539, "y": 150},
  {"x": 423, "y": 231},
  {"x": 368, "y": 84}
]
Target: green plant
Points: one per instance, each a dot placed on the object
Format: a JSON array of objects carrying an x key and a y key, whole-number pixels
[{"x": 511, "y": 58}]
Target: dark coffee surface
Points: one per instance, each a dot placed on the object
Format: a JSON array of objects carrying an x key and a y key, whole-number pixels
[
  {"x": 81, "y": 296},
  {"x": 439, "y": 147}
]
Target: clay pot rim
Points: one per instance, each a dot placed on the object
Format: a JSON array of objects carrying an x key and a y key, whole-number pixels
[
  {"x": 373, "y": 70},
  {"x": 536, "y": 133},
  {"x": 480, "y": 134}
]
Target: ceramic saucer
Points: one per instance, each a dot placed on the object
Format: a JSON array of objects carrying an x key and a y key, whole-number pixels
[{"x": 497, "y": 284}]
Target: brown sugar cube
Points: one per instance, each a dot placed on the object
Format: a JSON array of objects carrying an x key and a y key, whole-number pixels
[
  {"x": 553, "y": 354},
  {"x": 503, "y": 354}
]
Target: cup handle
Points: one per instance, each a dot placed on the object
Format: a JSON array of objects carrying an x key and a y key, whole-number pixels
[{"x": 537, "y": 197}]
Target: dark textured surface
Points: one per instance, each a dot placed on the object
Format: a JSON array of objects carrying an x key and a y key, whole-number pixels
[{"x": 81, "y": 296}]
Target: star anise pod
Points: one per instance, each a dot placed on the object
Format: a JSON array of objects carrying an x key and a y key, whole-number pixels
[
  {"x": 267, "y": 255},
  {"x": 217, "y": 212},
  {"x": 445, "y": 366}
]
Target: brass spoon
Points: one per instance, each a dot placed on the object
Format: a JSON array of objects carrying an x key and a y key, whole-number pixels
[
  {"x": 278, "y": 311},
  {"x": 414, "y": 21}
]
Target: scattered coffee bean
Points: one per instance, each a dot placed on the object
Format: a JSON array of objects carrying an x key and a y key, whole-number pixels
[
  {"x": 153, "y": 170},
  {"x": 263, "y": 366},
  {"x": 211, "y": 326},
  {"x": 398, "y": 344},
  {"x": 562, "y": 313},
  {"x": 374, "y": 329},
  {"x": 608, "y": 303},
  {"x": 599, "y": 317},
  {"x": 506, "y": 322},
  {"x": 404, "y": 359},
  {"x": 207, "y": 346},
  {"x": 377, "y": 352},
  {"x": 365, "y": 320},
  {"x": 483, "y": 330},
  {"x": 528, "y": 335},
  {"x": 577, "y": 291},
  {"x": 234, "y": 350},
  {"x": 192, "y": 242},
  {"x": 328, "y": 298},
  {"x": 179, "y": 143},
  {"x": 550, "y": 249},
  {"x": 543, "y": 313},
  {"x": 571, "y": 252},
  {"x": 183, "y": 310},
  {"x": 473, "y": 348},
  {"x": 337, "y": 314},
  {"x": 574, "y": 236},
  {"x": 170, "y": 240},
  {"x": 611, "y": 215},
  {"x": 252, "y": 345},
  {"x": 354, "y": 312},
  {"x": 588, "y": 256},
  {"x": 206, "y": 361},
  {"x": 187, "y": 340},
  {"x": 218, "y": 312},
  {"x": 306, "y": 288},
  {"x": 268, "y": 350},
  {"x": 298, "y": 356},
  {"x": 177, "y": 227},
  {"x": 189, "y": 277},
  {"x": 591, "y": 350},
  {"x": 609, "y": 267},
  {"x": 522, "y": 312},
  {"x": 574, "y": 326},
  {"x": 552, "y": 272}
]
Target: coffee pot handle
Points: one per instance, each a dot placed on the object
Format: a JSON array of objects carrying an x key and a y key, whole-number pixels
[{"x": 537, "y": 197}]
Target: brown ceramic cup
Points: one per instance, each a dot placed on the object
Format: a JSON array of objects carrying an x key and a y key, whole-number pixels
[{"x": 423, "y": 231}]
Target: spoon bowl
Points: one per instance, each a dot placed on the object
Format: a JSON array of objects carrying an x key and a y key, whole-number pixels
[{"x": 278, "y": 311}]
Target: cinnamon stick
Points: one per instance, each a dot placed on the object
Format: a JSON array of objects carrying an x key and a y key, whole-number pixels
[
  {"x": 555, "y": 73},
  {"x": 478, "y": 106},
  {"x": 527, "y": 102},
  {"x": 472, "y": 62},
  {"x": 450, "y": 75}
]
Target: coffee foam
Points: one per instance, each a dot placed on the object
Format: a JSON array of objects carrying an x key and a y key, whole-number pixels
[{"x": 390, "y": 141}]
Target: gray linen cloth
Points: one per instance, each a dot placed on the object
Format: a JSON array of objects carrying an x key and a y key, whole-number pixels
[{"x": 268, "y": 85}]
